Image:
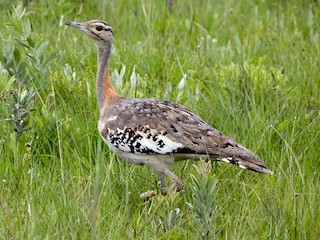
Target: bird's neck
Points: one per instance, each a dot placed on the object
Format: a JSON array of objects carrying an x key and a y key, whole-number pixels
[{"x": 104, "y": 88}]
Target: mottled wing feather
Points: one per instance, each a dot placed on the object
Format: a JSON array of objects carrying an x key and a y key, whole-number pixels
[
  {"x": 157, "y": 126},
  {"x": 149, "y": 126}
]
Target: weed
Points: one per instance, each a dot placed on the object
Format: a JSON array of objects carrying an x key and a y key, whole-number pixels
[{"x": 203, "y": 192}]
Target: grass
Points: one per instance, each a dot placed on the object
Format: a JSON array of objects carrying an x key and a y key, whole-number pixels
[{"x": 252, "y": 72}]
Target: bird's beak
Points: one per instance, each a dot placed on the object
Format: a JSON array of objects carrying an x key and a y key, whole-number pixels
[{"x": 75, "y": 24}]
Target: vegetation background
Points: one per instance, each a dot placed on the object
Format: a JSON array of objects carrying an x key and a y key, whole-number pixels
[{"x": 249, "y": 68}]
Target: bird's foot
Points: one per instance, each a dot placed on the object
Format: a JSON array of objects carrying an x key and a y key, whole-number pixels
[
  {"x": 164, "y": 190},
  {"x": 172, "y": 188}
]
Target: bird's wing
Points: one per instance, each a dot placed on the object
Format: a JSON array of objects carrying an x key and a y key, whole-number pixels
[
  {"x": 158, "y": 126},
  {"x": 149, "y": 126}
]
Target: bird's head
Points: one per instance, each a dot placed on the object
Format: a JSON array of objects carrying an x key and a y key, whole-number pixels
[{"x": 99, "y": 31}]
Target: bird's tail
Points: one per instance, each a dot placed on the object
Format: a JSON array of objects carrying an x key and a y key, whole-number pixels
[
  {"x": 245, "y": 164},
  {"x": 242, "y": 157}
]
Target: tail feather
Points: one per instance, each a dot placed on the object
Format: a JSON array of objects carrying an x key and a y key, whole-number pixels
[
  {"x": 247, "y": 165},
  {"x": 239, "y": 155}
]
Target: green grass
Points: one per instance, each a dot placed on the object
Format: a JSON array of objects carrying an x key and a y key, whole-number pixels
[{"x": 252, "y": 72}]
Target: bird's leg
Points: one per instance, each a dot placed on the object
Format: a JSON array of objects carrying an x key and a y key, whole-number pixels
[
  {"x": 163, "y": 185},
  {"x": 177, "y": 183}
]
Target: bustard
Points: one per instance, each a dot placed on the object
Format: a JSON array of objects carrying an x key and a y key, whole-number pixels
[{"x": 156, "y": 133}]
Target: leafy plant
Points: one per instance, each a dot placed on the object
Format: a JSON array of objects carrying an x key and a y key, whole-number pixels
[
  {"x": 20, "y": 109},
  {"x": 203, "y": 192}
]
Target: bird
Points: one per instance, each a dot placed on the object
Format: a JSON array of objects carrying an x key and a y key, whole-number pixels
[{"x": 153, "y": 132}]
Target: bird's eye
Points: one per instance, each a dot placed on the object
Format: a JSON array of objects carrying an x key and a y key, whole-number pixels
[{"x": 99, "y": 28}]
